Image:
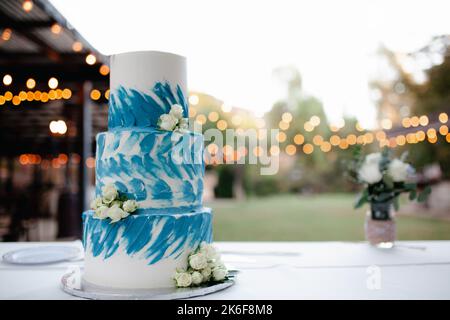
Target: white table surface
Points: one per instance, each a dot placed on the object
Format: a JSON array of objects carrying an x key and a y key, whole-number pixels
[{"x": 284, "y": 270}]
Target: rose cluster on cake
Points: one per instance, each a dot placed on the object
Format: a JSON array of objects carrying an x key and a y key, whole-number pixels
[
  {"x": 204, "y": 265},
  {"x": 112, "y": 205}
]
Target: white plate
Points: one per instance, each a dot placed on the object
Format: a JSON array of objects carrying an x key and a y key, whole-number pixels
[
  {"x": 72, "y": 283},
  {"x": 42, "y": 255}
]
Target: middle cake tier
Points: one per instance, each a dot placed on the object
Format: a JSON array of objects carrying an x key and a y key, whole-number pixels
[{"x": 159, "y": 169}]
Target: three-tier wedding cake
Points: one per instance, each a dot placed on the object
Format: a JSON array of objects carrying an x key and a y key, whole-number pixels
[{"x": 148, "y": 215}]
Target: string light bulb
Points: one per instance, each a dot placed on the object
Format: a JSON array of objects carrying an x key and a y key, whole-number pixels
[
  {"x": 31, "y": 83},
  {"x": 193, "y": 99},
  {"x": 299, "y": 139},
  {"x": 27, "y": 5},
  {"x": 91, "y": 59},
  {"x": 7, "y": 79},
  {"x": 77, "y": 46},
  {"x": 423, "y": 121},
  {"x": 287, "y": 117},
  {"x": 308, "y": 148},
  {"x": 52, "y": 83},
  {"x": 16, "y": 100},
  {"x": 66, "y": 94},
  {"x": 104, "y": 70},
  {"x": 326, "y": 146},
  {"x": 315, "y": 121},
  {"x": 222, "y": 125},
  {"x": 213, "y": 116},
  {"x": 95, "y": 94},
  {"x": 58, "y": 127},
  {"x": 274, "y": 150},
  {"x": 308, "y": 126},
  {"x": 201, "y": 119},
  {"x": 291, "y": 149},
  {"x": 56, "y": 29},
  {"x": 6, "y": 34}
]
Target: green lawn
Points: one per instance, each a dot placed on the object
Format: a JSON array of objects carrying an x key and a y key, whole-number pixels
[{"x": 308, "y": 218}]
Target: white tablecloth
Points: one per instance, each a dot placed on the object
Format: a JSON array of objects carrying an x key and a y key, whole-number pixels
[{"x": 284, "y": 270}]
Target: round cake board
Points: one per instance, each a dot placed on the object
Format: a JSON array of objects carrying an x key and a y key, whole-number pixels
[{"x": 72, "y": 283}]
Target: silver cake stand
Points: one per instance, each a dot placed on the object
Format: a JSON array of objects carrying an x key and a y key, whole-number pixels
[{"x": 73, "y": 284}]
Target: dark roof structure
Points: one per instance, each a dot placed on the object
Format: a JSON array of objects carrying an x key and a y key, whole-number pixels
[
  {"x": 48, "y": 74},
  {"x": 41, "y": 44}
]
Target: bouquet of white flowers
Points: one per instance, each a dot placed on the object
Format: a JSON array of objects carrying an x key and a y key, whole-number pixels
[{"x": 385, "y": 178}]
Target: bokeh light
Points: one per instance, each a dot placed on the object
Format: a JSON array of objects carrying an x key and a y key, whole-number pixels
[
  {"x": 52, "y": 83},
  {"x": 7, "y": 79},
  {"x": 308, "y": 148},
  {"x": 104, "y": 70},
  {"x": 91, "y": 59},
  {"x": 299, "y": 139}
]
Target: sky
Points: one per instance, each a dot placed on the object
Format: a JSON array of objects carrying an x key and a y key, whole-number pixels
[{"x": 233, "y": 46}]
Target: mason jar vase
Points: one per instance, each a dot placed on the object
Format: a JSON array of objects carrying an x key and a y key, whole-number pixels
[{"x": 380, "y": 227}]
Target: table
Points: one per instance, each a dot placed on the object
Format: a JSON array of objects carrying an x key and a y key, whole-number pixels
[{"x": 284, "y": 270}]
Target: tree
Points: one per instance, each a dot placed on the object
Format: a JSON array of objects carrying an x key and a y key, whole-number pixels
[{"x": 430, "y": 97}]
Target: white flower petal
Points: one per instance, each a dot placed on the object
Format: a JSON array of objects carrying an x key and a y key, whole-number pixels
[{"x": 176, "y": 111}]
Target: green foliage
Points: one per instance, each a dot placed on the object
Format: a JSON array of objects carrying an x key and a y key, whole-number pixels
[
  {"x": 429, "y": 98},
  {"x": 386, "y": 190},
  {"x": 268, "y": 185},
  {"x": 424, "y": 194},
  {"x": 362, "y": 199},
  {"x": 224, "y": 188},
  {"x": 385, "y": 159},
  {"x": 354, "y": 163}
]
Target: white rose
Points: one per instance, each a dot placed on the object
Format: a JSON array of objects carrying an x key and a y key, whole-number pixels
[
  {"x": 183, "y": 279},
  {"x": 167, "y": 122},
  {"x": 370, "y": 169},
  {"x": 370, "y": 173},
  {"x": 208, "y": 250},
  {"x": 124, "y": 214},
  {"x": 101, "y": 212},
  {"x": 96, "y": 203},
  {"x": 197, "y": 277},
  {"x": 219, "y": 274},
  {"x": 183, "y": 124},
  {"x": 176, "y": 111},
  {"x": 115, "y": 213},
  {"x": 109, "y": 193},
  {"x": 398, "y": 170},
  {"x": 206, "y": 273},
  {"x": 198, "y": 261},
  {"x": 130, "y": 206},
  {"x": 215, "y": 263},
  {"x": 373, "y": 158}
]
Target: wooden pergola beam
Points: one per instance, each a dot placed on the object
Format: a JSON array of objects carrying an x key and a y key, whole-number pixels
[
  {"x": 25, "y": 25},
  {"x": 73, "y": 72},
  {"x": 44, "y": 47},
  {"x": 8, "y": 58}
]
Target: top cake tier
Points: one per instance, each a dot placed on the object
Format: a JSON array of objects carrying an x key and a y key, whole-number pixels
[{"x": 143, "y": 86}]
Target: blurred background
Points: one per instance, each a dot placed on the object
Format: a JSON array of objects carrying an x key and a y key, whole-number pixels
[{"x": 330, "y": 75}]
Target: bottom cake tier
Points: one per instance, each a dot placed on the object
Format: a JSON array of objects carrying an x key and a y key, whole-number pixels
[{"x": 143, "y": 250}]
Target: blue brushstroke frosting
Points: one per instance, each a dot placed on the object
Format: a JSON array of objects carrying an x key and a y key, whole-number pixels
[
  {"x": 159, "y": 169},
  {"x": 162, "y": 170},
  {"x": 131, "y": 108},
  {"x": 152, "y": 237}
]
